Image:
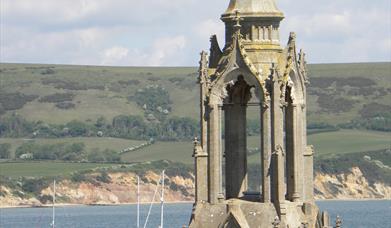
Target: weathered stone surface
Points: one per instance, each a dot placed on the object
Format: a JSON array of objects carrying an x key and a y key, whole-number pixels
[{"x": 253, "y": 64}]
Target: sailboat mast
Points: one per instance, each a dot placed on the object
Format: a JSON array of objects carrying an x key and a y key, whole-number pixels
[
  {"x": 54, "y": 202},
  {"x": 162, "y": 202},
  {"x": 138, "y": 201}
]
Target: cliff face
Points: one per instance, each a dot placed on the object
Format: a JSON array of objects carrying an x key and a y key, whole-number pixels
[
  {"x": 122, "y": 188},
  {"x": 351, "y": 185}
]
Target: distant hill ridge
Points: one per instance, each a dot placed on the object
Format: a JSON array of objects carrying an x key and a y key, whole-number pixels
[{"x": 338, "y": 93}]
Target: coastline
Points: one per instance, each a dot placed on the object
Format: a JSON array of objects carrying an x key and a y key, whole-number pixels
[
  {"x": 171, "y": 202},
  {"x": 91, "y": 205}
]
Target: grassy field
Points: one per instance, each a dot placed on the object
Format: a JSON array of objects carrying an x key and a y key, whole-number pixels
[
  {"x": 115, "y": 144},
  {"x": 174, "y": 151},
  {"x": 44, "y": 169},
  {"x": 340, "y": 142},
  {"x": 108, "y": 89},
  {"x": 349, "y": 141},
  {"x": 326, "y": 145}
]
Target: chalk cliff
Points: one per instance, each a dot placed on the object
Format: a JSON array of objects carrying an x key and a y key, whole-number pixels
[{"x": 121, "y": 188}]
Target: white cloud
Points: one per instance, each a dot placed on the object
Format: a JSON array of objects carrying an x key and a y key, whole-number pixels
[
  {"x": 165, "y": 49},
  {"x": 114, "y": 55},
  {"x": 99, "y": 31},
  {"x": 209, "y": 27}
]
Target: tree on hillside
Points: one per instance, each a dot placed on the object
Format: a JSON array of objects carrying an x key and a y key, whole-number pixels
[{"x": 5, "y": 152}]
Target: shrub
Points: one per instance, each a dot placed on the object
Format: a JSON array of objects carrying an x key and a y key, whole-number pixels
[
  {"x": 60, "y": 151},
  {"x": 47, "y": 71},
  {"x": 97, "y": 155},
  {"x": 5, "y": 152},
  {"x": 15, "y": 101},
  {"x": 45, "y": 199},
  {"x": 65, "y": 105},
  {"x": 15, "y": 126},
  {"x": 57, "y": 97},
  {"x": 2, "y": 110},
  {"x": 70, "y": 85},
  {"x": 341, "y": 82},
  {"x": 179, "y": 128},
  {"x": 101, "y": 122},
  {"x": 78, "y": 177},
  {"x": 128, "y": 127},
  {"x": 61, "y": 84},
  {"x": 335, "y": 104},
  {"x": 375, "y": 110},
  {"x": 77, "y": 128},
  {"x": 104, "y": 177},
  {"x": 154, "y": 100},
  {"x": 129, "y": 82},
  {"x": 34, "y": 185}
]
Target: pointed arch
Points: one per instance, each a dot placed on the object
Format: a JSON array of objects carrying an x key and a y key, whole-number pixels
[{"x": 235, "y": 61}]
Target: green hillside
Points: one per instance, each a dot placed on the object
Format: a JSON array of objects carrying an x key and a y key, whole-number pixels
[
  {"x": 72, "y": 104},
  {"x": 338, "y": 93}
]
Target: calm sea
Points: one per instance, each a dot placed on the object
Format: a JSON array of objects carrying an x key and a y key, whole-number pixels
[{"x": 355, "y": 214}]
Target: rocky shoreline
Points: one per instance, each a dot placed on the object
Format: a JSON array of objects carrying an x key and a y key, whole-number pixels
[{"x": 121, "y": 190}]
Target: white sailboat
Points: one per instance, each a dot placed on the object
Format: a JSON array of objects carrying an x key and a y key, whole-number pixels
[
  {"x": 162, "y": 202},
  {"x": 161, "y": 185},
  {"x": 53, "y": 205},
  {"x": 138, "y": 202}
]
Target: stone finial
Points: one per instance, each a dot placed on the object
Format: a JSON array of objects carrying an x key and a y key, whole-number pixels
[
  {"x": 292, "y": 36},
  {"x": 198, "y": 150},
  {"x": 303, "y": 65},
  {"x": 338, "y": 222},
  {"x": 276, "y": 223},
  {"x": 237, "y": 19},
  {"x": 196, "y": 141},
  {"x": 203, "y": 69},
  {"x": 196, "y": 144}
]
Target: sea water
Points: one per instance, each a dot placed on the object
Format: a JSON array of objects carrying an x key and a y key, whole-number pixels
[{"x": 355, "y": 214}]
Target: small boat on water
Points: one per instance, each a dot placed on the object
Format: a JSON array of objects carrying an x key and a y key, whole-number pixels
[{"x": 159, "y": 185}]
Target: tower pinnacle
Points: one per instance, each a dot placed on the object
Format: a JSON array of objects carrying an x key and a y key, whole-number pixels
[{"x": 258, "y": 8}]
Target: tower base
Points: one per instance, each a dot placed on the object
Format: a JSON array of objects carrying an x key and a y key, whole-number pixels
[{"x": 236, "y": 213}]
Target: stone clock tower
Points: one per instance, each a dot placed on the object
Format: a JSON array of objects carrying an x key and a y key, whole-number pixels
[{"x": 253, "y": 69}]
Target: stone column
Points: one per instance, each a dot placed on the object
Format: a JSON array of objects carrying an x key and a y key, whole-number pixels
[
  {"x": 308, "y": 190},
  {"x": 307, "y": 177},
  {"x": 278, "y": 180},
  {"x": 220, "y": 195},
  {"x": 214, "y": 153},
  {"x": 228, "y": 151},
  {"x": 266, "y": 151},
  {"x": 203, "y": 120},
  {"x": 293, "y": 151},
  {"x": 298, "y": 152},
  {"x": 201, "y": 168},
  {"x": 290, "y": 138}
]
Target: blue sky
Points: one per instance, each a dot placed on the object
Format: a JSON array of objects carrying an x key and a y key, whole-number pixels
[{"x": 173, "y": 32}]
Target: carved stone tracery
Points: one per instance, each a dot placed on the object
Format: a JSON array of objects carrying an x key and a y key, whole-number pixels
[{"x": 253, "y": 58}]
